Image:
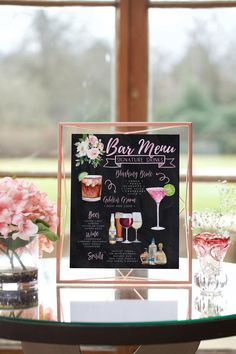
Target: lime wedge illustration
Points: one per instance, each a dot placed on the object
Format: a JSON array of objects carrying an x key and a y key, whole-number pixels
[
  {"x": 169, "y": 189},
  {"x": 82, "y": 175}
]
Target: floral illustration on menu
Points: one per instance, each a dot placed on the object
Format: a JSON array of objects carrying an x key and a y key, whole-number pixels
[
  {"x": 124, "y": 201},
  {"x": 89, "y": 149}
]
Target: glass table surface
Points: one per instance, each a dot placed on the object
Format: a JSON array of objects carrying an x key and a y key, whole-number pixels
[{"x": 119, "y": 315}]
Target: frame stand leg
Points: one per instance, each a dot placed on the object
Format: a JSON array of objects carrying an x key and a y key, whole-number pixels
[
  {"x": 186, "y": 348},
  {"x": 39, "y": 348}
]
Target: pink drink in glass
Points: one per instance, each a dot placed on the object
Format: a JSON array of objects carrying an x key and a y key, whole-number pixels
[
  {"x": 215, "y": 245},
  {"x": 211, "y": 249},
  {"x": 157, "y": 194}
]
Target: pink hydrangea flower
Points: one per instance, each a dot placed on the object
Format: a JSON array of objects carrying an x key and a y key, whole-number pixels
[
  {"x": 25, "y": 229},
  {"x": 4, "y": 229},
  {"x": 21, "y": 206},
  {"x": 45, "y": 245}
]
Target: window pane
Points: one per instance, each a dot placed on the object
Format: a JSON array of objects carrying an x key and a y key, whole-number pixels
[
  {"x": 56, "y": 64},
  {"x": 192, "y": 78}
]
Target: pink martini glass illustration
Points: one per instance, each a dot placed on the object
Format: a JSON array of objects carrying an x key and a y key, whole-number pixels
[{"x": 157, "y": 194}]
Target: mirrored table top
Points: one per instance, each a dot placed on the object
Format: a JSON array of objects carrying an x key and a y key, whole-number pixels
[{"x": 119, "y": 315}]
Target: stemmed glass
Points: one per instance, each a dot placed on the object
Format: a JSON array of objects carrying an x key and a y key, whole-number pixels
[
  {"x": 157, "y": 193},
  {"x": 137, "y": 223},
  {"x": 126, "y": 220}
]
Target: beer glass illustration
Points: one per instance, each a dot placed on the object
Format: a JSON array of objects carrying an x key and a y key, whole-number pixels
[{"x": 119, "y": 236}]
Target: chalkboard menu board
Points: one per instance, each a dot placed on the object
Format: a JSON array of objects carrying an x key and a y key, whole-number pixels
[{"x": 124, "y": 201}]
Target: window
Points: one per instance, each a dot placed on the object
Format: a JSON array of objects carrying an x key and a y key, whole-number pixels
[
  {"x": 191, "y": 62},
  {"x": 129, "y": 60},
  {"x": 55, "y": 65},
  {"x": 191, "y": 65}
]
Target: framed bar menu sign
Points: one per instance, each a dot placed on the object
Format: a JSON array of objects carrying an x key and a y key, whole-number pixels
[{"x": 125, "y": 202}]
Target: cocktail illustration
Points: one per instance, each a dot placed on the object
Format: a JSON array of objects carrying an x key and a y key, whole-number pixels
[
  {"x": 91, "y": 186},
  {"x": 126, "y": 220},
  {"x": 137, "y": 223},
  {"x": 157, "y": 193}
]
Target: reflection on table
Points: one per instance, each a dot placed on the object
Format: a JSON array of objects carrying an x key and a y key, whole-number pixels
[{"x": 120, "y": 305}]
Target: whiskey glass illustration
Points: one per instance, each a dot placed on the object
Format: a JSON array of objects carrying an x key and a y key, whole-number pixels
[{"x": 91, "y": 186}]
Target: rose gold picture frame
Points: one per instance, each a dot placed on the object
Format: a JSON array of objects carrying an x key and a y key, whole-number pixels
[{"x": 124, "y": 277}]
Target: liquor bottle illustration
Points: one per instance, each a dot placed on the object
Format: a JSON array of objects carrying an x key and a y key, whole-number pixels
[
  {"x": 152, "y": 250},
  {"x": 112, "y": 230},
  {"x": 144, "y": 256},
  {"x": 160, "y": 255}
]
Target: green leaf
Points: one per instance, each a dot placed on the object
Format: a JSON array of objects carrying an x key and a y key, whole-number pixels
[
  {"x": 52, "y": 236},
  {"x": 44, "y": 230},
  {"x": 17, "y": 243},
  {"x": 40, "y": 221}
]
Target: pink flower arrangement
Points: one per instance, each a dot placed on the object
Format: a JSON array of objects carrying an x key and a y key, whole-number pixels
[
  {"x": 24, "y": 213},
  {"x": 89, "y": 149}
]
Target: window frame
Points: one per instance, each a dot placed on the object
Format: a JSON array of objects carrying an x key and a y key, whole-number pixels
[
  {"x": 132, "y": 46},
  {"x": 131, "y": 56}
]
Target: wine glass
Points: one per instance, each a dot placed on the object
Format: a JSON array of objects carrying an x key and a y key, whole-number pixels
[
  {"x": 137, "y": 223},
  {"x": 126, "y": 220},
  {"x": 157, "y": 193}
]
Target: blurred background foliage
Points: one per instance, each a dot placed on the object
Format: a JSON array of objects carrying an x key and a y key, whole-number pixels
[
  {"x": 51, "y": 76},
  {"x": 62, "y": 67},
  {"x": 60, "y": 72},
  {"x": 199, "y": 87}
]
